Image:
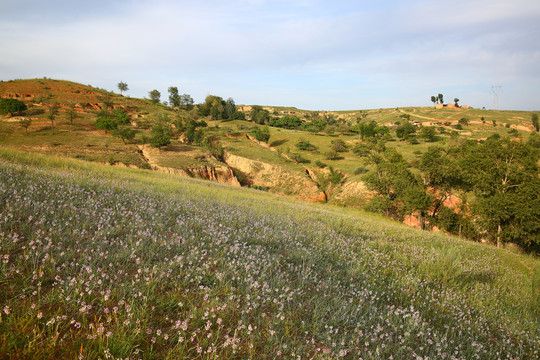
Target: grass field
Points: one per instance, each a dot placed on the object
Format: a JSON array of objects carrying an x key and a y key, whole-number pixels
[{"x": 103, "y": 262}]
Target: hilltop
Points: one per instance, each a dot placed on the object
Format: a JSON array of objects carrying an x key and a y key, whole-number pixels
[{"x": 310, "y": 155}]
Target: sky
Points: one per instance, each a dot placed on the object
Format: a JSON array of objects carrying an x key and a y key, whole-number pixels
[{"x": 311, "y": 54}]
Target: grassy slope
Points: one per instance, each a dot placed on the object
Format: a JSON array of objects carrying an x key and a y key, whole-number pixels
[
  {"x": 99, "y": 260},
  {"x": 82, "y": 140}
]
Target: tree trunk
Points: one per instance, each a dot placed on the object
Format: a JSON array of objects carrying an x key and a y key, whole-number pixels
[{"x": 499, "y": 242}]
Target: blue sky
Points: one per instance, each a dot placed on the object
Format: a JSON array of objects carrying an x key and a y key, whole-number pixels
[{"x": 317, "y": 55}]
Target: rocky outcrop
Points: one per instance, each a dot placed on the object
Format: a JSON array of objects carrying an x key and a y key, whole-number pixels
[
  {"x": 221, "y": 174},
  {"x": 278, "y": 179}
]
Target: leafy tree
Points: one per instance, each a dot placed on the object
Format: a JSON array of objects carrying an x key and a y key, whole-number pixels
[
  {"x": 440, "y": 97},
  {"x": 124, "y": 133},
  {"x": 11, "y": 106},
  {"x": 122, "y": 117},
  {"x": 405, "y": 130},
  {"x": 106, "y": 123},
  {"x": 314, "y": 126},
  {"x": 456, "y": 100},
  {"x": 160, "y": 135},
  {"x": 428, "y": 133},
  {"x": 262, "y": 134},
  {"x": 154, "y": 96},
  {"x": 25, "y": 123},
  {"x": 259, "y": 115},
  {"x": 52, "y": 113},
  {"x": 122, "y": 86},
  {"x": 464, "y": 121},
  {"x": 503, "y": 175},
  {"x": 186, "y": 102},
  {"x": 286, "y": 121},
  {"x": 174, "y": 97},
  {"x": 536, "y": 124},
  {"x": 434, "y": 100},
  {"x": 72, "y": 113}
]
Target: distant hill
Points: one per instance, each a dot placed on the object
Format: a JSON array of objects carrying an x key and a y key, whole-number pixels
[{"x": 310, "y": 155}]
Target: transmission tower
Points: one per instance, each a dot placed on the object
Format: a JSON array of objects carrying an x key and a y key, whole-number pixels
[{"x": 496, "y": 90}]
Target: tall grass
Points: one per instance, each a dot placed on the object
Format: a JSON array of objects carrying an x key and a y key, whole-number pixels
[{"x": 100, "y": 262}]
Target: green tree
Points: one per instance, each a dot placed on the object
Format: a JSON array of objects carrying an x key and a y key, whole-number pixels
[
  {"x": 106, "y": 122},
  {"x": 262, "y": 134},
  {"x": 122, "y": 117},
  {"x": 503, "y": 175},
  {"x": 405, "y": 130},
  {"x": 154, "y": 96},
  {"x": 456, "y": 101},
  {"x": 72, "y": 113},
  {"x": 160, "y": 135},
  {"x": 52, "y": 113},
  {"x": 186, "y": 102},
  {"x": 124, "y": 133},
  {"x": 122, "y": 86},
  {"x": 434, "y": 100},
  {"x": 25, "y": 123},
  {"x": 11, "y": 106},
  {"x": 339, "y": 145},
  {"x": 536, "y": 124},
  {"x": 440, "y": 97},
  {"x": 428, "y": 133},
  {"x": 174, "y": 97}
]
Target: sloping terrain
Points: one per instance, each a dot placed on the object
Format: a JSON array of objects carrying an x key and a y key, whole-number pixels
[{"x": 103, "y": 262}]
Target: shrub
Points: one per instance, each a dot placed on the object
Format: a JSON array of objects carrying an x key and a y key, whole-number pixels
[
  {"x": 11, "y": 106},
  {"x": 320, "y": 164},
  {"x": 339, "y": 145},
  {"x": 299, "y": 159},
  {"x": 305, "y": 145},
  {"x": 332, "y": 155},
  {"x": 360, "y": 170}
]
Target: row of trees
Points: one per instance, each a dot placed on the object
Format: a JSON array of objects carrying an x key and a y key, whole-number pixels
[
  {"x": 439, "y": 99},
  {"x": 496, "y": 180}
]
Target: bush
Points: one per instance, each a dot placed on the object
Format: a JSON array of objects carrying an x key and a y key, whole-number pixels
[
  {"x": 360, "y": 170},
  {"x": 305, "y": 145},
  {"x": 332, "y": 155},
  {"x": 339, "y": 145},
  {"x": 299, "y": 159},
  {"x": 320, "y": 164}
]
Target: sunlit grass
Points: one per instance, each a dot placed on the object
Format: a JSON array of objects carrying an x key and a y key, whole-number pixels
[{"x": 101, "y": 262}]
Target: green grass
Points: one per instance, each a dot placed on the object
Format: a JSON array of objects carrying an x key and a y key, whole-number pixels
[{"x": 107, "y": 262}]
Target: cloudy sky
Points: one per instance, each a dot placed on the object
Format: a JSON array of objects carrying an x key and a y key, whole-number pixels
[{"x": 312, "y": 54}]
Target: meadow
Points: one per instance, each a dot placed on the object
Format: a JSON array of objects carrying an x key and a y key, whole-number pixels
[{"x": 115, "y": 263}]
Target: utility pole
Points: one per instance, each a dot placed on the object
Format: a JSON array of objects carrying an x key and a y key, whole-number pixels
[{"x": 496, "y": 90}]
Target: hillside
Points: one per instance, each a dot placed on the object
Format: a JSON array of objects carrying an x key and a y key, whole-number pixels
[
  {"x": 104, "y": 262},
  {"x": 330, "y": 157}
]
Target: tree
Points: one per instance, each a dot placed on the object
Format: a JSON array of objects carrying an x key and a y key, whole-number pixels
[
  {"x": 339, "y": 145},
  {"x": 72, "y": 113},
  {"x": 434, "y": 100},
  {"x": 11, "y": 106},
  {"x": 463, "y": 121},
  {"x": 456, "y": 100},
  {"x": 405, "y": 130},
  {"x": 51, "y": 115},
  {"x": 154, "y": 96},
  {"x": 122, "y": 117},
  {"x": 25, "y": 123},
  {"x": 124, "y": 133},
  {"x": 503, "y": 175},
  {"x": 161, "y": 135},
  {"x": 174, "y": 97},
  {"x": 534, "y": 119},
  {"x": 122, "y": 86},
  {"x": 106, "y": 122},
  {"x": 440, "y": 97},
  {"x": 262, "y": 134},
  {"x": 428, "y": 133},
  {"x": 186, "y": 102}
]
